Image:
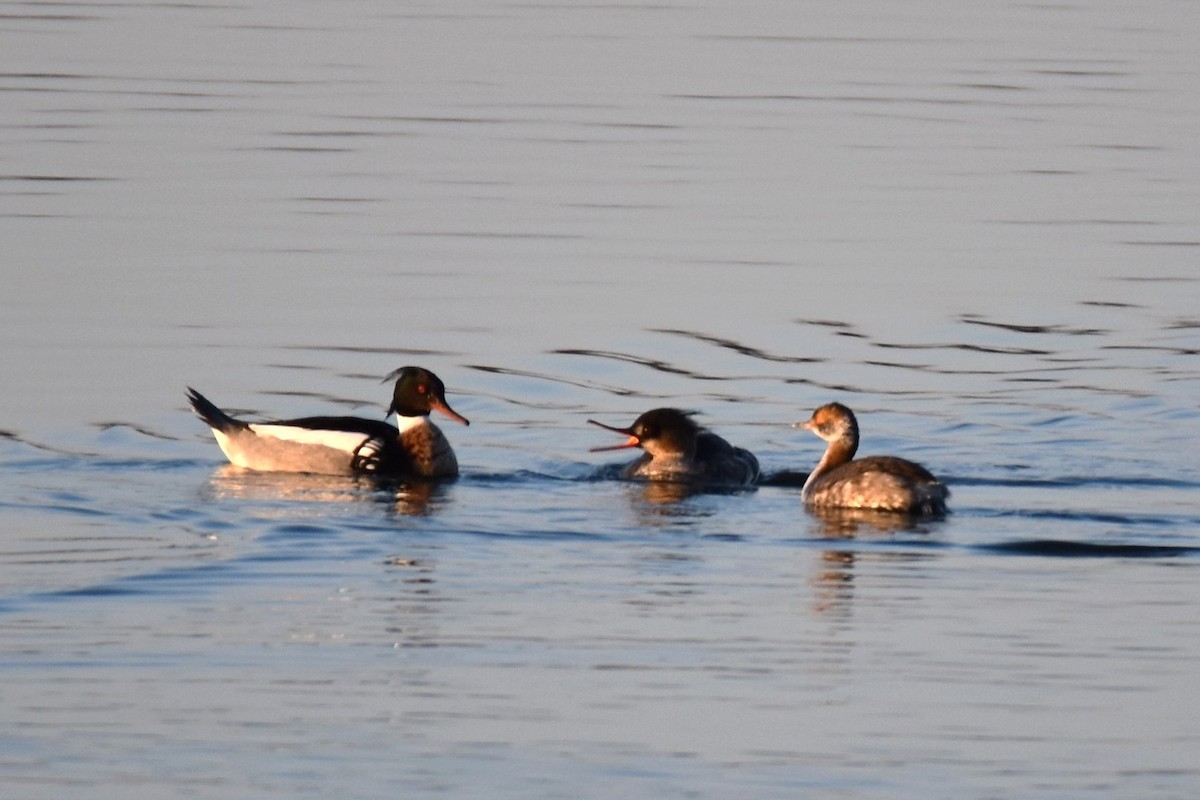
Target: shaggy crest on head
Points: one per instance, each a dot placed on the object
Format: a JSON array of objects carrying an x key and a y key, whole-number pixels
[
  {"x": 678, "y": 448},
  {"x": 418, "y": 392}
]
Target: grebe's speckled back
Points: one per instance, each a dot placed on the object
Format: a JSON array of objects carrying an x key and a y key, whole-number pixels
[
  {"x": 414, "y": 447},
  {"x": 678, "y": 449},
  {"x": 880, "y": 483}
]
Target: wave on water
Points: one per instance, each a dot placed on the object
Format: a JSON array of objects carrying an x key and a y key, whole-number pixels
[{"x": 1061, "y": 548}]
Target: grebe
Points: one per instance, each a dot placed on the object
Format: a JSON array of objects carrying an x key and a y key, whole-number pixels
[
  {"x": 880, "y": 483},
  {"x": 414, "y": 447},
  {"x": 678, "y": 449}
]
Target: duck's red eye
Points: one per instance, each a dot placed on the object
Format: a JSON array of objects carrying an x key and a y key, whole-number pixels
[{"x": 421, "y": 388}]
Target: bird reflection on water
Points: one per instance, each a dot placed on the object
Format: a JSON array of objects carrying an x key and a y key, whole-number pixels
[
  {"x": 405, "y": 498},
  {"x": 850, "y": 522}
]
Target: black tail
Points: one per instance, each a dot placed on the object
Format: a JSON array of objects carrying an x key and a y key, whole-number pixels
[{"x": 215, "y": 417}]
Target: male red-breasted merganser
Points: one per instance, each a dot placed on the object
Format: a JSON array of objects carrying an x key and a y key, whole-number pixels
[
  {"x": 880, "y": 483},
  {"x": 677, "y": 449},
  {"x": 414, "y": 447}
]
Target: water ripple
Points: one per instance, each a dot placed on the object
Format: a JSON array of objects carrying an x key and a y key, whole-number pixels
[
  {"x": 737, "y": 347},
  {"x": 1059, "y": 548}
]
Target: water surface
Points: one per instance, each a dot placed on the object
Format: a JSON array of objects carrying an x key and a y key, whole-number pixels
[{"x": 975, "y": 226}]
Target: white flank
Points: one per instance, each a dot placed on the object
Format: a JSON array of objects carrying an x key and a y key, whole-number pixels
[
  {"x": 222, "y": 441},
  {"x": 288, "y": 448},
  {"x": 345, "y": 441}
]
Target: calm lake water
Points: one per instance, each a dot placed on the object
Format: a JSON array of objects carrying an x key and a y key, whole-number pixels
[{"x": 976, "y": 224}]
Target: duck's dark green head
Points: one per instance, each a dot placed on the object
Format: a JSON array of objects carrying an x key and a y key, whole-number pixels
[{"x": 418, "y": 392}]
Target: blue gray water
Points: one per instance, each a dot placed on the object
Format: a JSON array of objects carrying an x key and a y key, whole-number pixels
[{"x": 976, "y": 225}]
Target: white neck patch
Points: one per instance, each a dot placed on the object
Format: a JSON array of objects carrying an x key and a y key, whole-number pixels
[{"x": 408, "y": 423}]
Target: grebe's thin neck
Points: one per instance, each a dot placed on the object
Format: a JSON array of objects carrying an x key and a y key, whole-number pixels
[{"x": 840, "y": 451}]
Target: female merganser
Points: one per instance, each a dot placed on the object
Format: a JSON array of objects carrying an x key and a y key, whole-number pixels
[
  {"x": 414, "y": 447},
  {"x": 879, "y": 483},
  {"x": 677, "y": 449}
]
